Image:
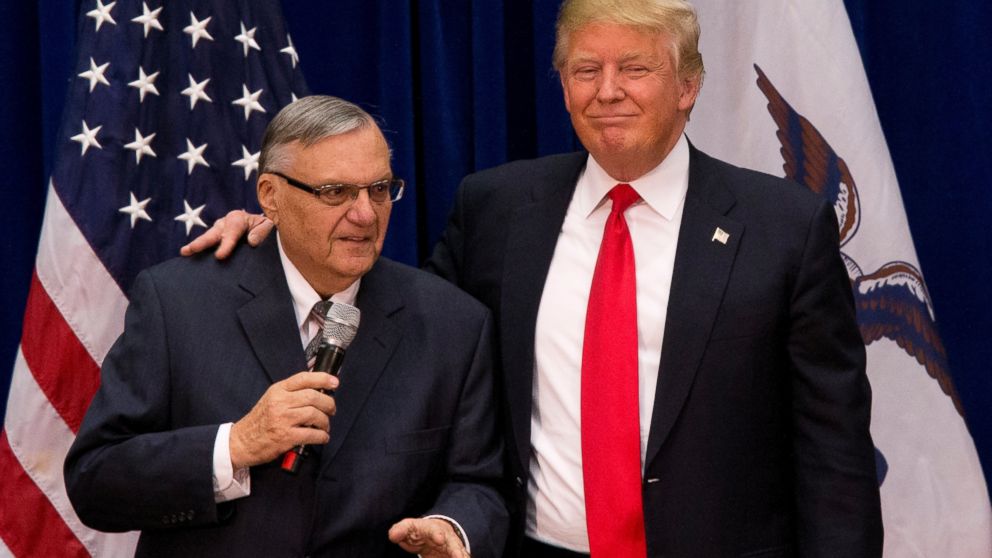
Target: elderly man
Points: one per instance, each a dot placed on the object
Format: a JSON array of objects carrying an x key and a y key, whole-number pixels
[
  {"x": 682, "y": 370},
  {"x": 199, "y": 400}
]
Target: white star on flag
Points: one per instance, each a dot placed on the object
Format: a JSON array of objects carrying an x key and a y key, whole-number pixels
[
  {"x": 95, "y": 74},
  {"x": 101, "y": 14},
  {"x": 136, "y": 210},
  {"x": 193, "y": 156},
  {"x": 145, "y": 157},
  {"x": 144, "y": 84},
  {"x": 191, "y": 217},
  {"x": 195, "y": 91},
  {"x": 141, "y": 145},
  {"x": 248, "y": 161},
  {"x": 149, "y": 18},
  {"x": 247, "y": 39},
  {"x": 291, "y": 51},
  {"x": 87, "y": 138},
  {"x": 197, "y": 29},
  {"x": 249, "y": 101}
]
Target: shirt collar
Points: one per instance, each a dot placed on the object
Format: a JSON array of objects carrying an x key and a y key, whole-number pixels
[
  {"x": 304, "y": 296},
  {"x": 663, "y": 188}
]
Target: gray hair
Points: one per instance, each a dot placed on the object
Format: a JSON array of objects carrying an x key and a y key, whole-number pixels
[
  {"x": 676, "y": 18},
  {"x": 308, "y": 120}
]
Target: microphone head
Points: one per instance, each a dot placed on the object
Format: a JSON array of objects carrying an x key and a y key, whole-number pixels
[{"x": 341, "y": 324}]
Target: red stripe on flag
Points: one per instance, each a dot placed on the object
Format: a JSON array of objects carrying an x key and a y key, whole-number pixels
[
  {"x": 29, "y": 525},
  {"x": 63, "y": 368}
]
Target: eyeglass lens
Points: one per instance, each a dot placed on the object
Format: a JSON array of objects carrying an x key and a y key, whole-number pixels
[{"x": 379, "y": 192}]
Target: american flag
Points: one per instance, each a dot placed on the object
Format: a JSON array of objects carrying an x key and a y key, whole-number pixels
[{"x": 160, "y": 135}]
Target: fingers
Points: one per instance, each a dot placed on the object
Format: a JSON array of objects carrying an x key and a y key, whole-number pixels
[
  {"x": 235, "y": 225},
  {"x": 430, "y": 537},
  {"x": 227, "y": 231},
  {"x": 310, "y": 380},
  {"x": 291, "y": 412},
  {"x": 204, "y": 241},
  {"x": 259, "y": 227}
]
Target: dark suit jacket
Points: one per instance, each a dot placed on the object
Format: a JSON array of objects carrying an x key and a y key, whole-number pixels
[
  {"x": 415, "y": 431},
  {"x": 759, "y": 441}
]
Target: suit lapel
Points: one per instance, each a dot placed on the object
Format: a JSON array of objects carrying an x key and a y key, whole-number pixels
[
  {"x": 366, "y": 359},
  {"x": 268, "y": 318},
  {"x": 533, "y": 232},
  {"x": 700, "y": 275}
]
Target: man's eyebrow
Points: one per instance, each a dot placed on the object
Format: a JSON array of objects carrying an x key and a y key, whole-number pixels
[
  {"x": 648, "y": 58},
  {"x": 387, "y": 176},
  {"x": 584, "y": 59},
  {"x": 639, "y": 56}
]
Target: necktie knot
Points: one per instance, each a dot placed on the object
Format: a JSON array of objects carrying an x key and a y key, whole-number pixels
[
  {"x": 623, "y": 196},
  {"x": 318, "y": 313},
  {"x": 319, "y": 309}
]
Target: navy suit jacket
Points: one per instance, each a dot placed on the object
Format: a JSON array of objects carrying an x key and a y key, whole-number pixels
[
  {"x": 759, "y": 442},
  {"x": 415, "y": 431}
]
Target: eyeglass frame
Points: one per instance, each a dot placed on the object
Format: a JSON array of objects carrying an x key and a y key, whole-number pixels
[{"x": 354, "y": 188}]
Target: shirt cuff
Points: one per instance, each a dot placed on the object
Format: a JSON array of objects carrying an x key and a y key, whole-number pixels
[
  {"x": 458, "y": 530},
  {"x": 228, "y": 483}
]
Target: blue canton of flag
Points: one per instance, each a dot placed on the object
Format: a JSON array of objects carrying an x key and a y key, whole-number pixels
[{"x": 164, "y": 122}]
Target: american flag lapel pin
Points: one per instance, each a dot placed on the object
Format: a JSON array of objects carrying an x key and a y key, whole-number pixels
[{"x": 720, "y": 235}]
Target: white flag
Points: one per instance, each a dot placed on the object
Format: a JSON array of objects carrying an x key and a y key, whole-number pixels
[{"x": 786, "y": 93}]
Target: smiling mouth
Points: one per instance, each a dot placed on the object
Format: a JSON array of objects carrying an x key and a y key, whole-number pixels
[{"x": 612, "y": 118}]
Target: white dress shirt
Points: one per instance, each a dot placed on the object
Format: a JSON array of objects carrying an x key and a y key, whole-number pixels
[
  {"x": 228, "y": 483},
  {"x": 556, "y": 503}
]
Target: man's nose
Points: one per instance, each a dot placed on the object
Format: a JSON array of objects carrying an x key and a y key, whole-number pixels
[
  {"x": 610, "y": 86},
  {"x": 361, "y": 211}
]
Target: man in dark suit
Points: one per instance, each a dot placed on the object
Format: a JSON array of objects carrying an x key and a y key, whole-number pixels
[
  {"x": 754, "y": 407},
  {"x": 734, "y": 381},
  {"x": 199, "y": 399}
]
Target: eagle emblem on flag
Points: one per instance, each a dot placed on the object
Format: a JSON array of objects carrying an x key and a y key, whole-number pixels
[{"x": 892, "y": 301}]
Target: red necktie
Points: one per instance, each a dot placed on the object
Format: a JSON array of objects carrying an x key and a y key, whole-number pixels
[{"x": 611, "y": 443}]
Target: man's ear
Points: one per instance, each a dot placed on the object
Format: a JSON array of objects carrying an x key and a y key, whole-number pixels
[
  {"x": 689, "y": 93},
  {"x": 267, "y": 198}
]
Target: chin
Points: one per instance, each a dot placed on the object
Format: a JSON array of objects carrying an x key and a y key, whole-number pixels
[{"x": 359, "y": 267}]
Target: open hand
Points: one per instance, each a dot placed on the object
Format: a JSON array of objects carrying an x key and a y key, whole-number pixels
[{"x": 428, "y": 536}]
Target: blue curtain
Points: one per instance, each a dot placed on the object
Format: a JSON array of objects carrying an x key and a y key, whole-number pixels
[{"x": 464, "y": 85}]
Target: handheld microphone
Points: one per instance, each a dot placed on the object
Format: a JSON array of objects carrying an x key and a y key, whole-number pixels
[{"x": 340, "y": 328}]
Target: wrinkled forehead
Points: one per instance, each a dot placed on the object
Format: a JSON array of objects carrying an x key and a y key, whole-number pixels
[
  {"x": 617, "y": 42},
  {"x": 360, "y": 156}
]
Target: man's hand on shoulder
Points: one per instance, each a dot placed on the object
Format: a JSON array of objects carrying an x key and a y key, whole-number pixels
[
  {"x": 227, "y": 231},
  {"x": 429, "y": 537}
]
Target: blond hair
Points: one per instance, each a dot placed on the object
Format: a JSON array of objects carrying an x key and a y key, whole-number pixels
[{"x": 675, "y": 18}]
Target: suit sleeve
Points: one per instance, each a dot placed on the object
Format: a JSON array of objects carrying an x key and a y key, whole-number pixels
[
  {"x": 474, "y": 459},
  {"x": 128, "y": 468},
  {"x": 836, "y": 486}
]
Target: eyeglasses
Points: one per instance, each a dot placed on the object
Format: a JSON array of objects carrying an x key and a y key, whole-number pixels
[{"x": 381, "y": 191}]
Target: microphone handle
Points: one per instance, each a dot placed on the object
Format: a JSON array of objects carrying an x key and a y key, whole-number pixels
[{"x": 329, "y": 359}]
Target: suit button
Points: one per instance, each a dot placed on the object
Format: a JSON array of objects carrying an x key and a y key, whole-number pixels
[
  {"x": 190, "y": 514},
  {"x": 165, "y": 520}
]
